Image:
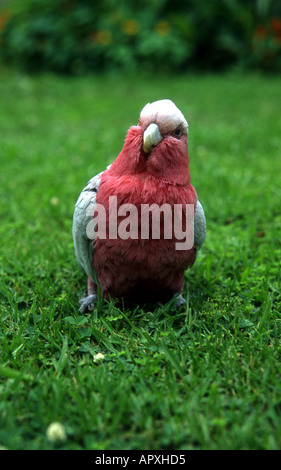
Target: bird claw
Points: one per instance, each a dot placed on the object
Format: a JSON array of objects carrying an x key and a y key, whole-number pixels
[
  {"x": 180, "y": 301},
  {"x": 87, "y": 304}
]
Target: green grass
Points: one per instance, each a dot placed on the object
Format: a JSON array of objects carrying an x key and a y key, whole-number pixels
[{"x": 204, "y": 378}]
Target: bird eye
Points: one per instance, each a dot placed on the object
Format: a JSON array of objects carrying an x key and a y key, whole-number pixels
[{"x": 177, "y": 131}]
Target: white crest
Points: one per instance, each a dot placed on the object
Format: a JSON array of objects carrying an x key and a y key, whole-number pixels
[{"x": 164, "y": 110}]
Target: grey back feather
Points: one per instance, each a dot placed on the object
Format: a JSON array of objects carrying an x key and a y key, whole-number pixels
[
  {"x": 199, "y": 225},
  {"x": 82, "y": 216}
]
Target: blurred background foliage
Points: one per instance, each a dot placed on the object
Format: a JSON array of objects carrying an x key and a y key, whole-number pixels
[{"x": 79, "y": 36}]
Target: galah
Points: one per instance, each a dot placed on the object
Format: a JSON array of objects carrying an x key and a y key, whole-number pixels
[{"x": 151, "y": 171}]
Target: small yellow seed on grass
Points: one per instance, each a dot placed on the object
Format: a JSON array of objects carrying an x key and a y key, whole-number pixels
[
  {"x": 54, "y": 201},
  {"x": 98, "y": 357},
  {"x": 56, "y": 432}
]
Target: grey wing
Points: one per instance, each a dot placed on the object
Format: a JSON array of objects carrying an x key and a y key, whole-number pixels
[
  {"x": 199, "y": 226},
  {"x": 83, "y": 214}
]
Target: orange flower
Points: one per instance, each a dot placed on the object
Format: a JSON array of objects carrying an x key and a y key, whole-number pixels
[
  {"x": 260, "y": 32},
  {"x": 276, "y": 26},
  {"x": 5, "y": 15},
  {"x": 163, "y": 28},
  {"x": 130, "y": 27},
  {"x": 103, "y": 37}
]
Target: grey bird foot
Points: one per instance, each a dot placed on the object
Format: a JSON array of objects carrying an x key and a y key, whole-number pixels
[
  {"x": 179, "y": 301},
  {"x": 87, "y": 304}
]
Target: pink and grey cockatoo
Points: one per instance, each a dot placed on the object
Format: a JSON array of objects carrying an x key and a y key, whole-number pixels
[{"x": 151, "y": 169}]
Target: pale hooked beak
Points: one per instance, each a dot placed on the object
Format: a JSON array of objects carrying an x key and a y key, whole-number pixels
[{"x": 151, "y": 137}]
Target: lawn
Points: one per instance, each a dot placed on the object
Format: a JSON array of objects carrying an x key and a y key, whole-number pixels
[{"x": 206, "y": 377}]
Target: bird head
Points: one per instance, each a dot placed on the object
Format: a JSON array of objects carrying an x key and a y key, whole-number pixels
[
  {"x": 157, "y": 145},
  {"x": 161, "y": 120}
]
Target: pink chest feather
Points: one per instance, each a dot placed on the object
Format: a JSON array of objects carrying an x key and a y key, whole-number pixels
[{"x": 132, "y": 260}]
